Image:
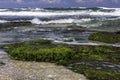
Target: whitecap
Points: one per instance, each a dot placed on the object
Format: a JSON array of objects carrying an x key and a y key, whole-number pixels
[
  {"x": 59, "y": 21},
  {"x": 36, "y": 21},
  {"x": 3, "y": 21},
  {"x": 48, "y": 13}
]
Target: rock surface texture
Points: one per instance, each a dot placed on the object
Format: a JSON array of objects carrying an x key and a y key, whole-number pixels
[{"x": 22, "y": 70}]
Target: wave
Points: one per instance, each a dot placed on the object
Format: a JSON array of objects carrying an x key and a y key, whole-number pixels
[
  {"x": 59, "y": 21},
  {"x": 42, "y": 14},
  {"x": 58, "y": 15},
  {"x": 57, "y": 9},
  {"x": 3, "y": 21},
  {"x": 50, "y": 12},
  {"x": 54, "y": 14},
  {"x": 1, "y": 10}
]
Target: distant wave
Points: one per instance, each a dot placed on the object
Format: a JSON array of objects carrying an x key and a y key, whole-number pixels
[
  {"x": 72, "y": 11},
  {"x": 58, "y": 15},
  {"x": 59, "y": 21},
  {"x": 3, "y": 21},
  {"x": 56, "y": 9}
]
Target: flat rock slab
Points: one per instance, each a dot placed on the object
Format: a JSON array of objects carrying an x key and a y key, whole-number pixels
[{"x": 21, "y": 70}]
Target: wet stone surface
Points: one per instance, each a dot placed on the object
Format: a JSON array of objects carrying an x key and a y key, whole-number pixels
[{"x": 101, "y": 65}]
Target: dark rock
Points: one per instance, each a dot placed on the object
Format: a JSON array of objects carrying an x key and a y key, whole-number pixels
[
  {"x": 2, "y": 63},
  {"x": 118, "y": 32}
]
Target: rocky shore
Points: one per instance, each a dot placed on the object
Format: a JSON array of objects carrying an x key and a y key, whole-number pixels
[{"x": 22, "y": 70}]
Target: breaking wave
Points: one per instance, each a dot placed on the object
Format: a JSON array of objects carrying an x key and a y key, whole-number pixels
[
  {"x": 57, "y": 12},
  {"x": 59, "y": 21},
  {"x": 58, "y": 15},
  {"x": 3, "y": 21}
]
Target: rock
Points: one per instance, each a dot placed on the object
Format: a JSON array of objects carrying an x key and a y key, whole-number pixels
[
  {"x": 5, "y": 77},
  {"x": 1, "y": 63},
  {"x": 118, "y": 32},
  {"x": 45, "y": 71}
]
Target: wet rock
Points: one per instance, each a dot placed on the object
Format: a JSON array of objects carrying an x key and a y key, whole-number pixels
[
  {"x": 118, "y": 32},
  {"x": 2, "y": 63},
  {"x": 101, "y": 65}
]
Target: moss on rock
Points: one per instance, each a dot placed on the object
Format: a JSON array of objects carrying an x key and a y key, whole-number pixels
[{"x": 107, "y": 37}]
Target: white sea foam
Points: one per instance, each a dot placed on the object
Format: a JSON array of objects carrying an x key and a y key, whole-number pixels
[
  {"x": 59, "y": 13},
  {"x": 109, "y": 8},
  {"x": 36, "y": 21},
  {"x": 38, "y": 12},
  {"x": 98, "y": 13},
  {"x": 44, "y": 13},
  {"x": 76, "y": 43},
  {"x": 59, "y": 21},
  {"x": 3, "y": 21},
  {"x": 41, "y": 14},
  {"x": 3, "y": 10}
]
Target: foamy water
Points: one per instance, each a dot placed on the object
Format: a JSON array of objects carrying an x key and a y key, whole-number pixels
[
  {"x": 3, "y": 21},
  {"x": 84, "y": 17},
  {"x": 48, "y": 16},
  {"x": 60, "y": 21},
  {"x": 38, "y": 12}
]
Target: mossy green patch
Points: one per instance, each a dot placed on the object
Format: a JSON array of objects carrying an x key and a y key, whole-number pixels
[
  {"x": 45, "y": 50},
  {"x": 42, "y": 50},
  {"x": 107, "y": 37},
  {"x": 14, "y": 24},
  {"x": 96, "y": 74},
  {"x": 111, "y": 23}
]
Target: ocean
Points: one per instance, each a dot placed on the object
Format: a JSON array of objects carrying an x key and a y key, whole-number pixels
[
  {"x": 61, "y": 25},
  {"x": 58, "y": 15}
]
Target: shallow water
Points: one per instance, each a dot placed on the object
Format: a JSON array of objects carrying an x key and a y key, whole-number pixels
[
  {"x": 56, "y": 24},
  {"x": 21, "y": 34},
  {"x": 61, "y": 34}
]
